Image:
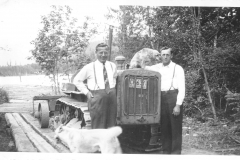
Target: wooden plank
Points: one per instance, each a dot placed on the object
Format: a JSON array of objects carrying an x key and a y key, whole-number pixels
[
  {"x": 41, "y": 144},
  {"x": 3, "y": 110},
  {"x": 22, "y": 142},
  {"x": 46, "y": 133}
]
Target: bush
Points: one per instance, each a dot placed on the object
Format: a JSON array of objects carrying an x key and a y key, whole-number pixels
[{"x": 4, "y": 98}]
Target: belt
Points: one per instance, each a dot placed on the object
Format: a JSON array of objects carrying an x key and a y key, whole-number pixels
[{"x": 169, "y": 91}]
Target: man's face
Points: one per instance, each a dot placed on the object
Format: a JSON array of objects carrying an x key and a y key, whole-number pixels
[
  {"x": 166, "y": 56},
  {"x": 102, "y": 54}
]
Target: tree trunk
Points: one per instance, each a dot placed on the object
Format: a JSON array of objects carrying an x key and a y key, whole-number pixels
[
  {"x": 149, "y": 29},
  {"x": 198, "y": 28},
  {"x": 68, "y": 71},
  {"x": 215, "y": 37},
  {"x": 110, "y": 41},
  {"x": 54, "y": 77},
  {"x": 57, "y": 81},
  {"x": 209, "y": 94},
  {"x": 54, "y": 84},
  {"x": 124, "y": 32},
  {"x": 215, "y": 42}
]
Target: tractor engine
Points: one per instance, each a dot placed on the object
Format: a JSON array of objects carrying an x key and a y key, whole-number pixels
[{"x": 139, "y": 106}]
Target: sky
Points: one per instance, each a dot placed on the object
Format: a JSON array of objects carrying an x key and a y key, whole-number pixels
[
  {"x": 20, "y": 24},
  {"x": 20, "y": 20}
]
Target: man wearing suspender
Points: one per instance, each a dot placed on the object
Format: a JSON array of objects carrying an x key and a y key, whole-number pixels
[
  {"x": 172, "y": 95},
  {"x": 101, "y": 81}
]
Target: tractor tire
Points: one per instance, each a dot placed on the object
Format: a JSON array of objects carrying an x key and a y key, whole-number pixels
[{"x": 43, "y": 110}]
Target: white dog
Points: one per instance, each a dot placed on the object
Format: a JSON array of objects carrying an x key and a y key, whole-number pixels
[
  {"x": 144, "y": 57},
  {"x": 90, "y": 141}
]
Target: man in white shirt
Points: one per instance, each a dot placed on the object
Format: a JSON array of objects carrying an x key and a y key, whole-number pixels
[
  {"x": 101, "y": 81},
  {"x": 172, "y": 95}
]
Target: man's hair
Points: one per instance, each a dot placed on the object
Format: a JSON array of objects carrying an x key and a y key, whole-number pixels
[
  {"x": 165, "y": 48},
  {"x": 101, "y": 45}
]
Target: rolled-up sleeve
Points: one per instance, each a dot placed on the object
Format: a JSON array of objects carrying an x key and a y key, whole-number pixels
[
  {"x": 181, "y": 85},
  {"x": 79, "y": 78}
]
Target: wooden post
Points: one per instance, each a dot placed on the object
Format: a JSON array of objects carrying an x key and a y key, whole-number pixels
[{"x": 110, "y": 41}]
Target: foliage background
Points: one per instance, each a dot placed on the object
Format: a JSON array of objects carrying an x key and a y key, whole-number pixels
[{"x": 204, "y": 41}]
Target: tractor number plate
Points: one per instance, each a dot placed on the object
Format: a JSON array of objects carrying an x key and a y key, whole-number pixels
[{"x": 138, "y": 83}]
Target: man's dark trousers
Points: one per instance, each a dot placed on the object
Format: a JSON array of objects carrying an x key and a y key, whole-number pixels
[
  {"x": 103, "y": 108},
  {"x": 171, "y": 125}
]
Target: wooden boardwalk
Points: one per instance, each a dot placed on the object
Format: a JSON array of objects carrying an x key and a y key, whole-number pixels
[{"x": 29, "y": 137}]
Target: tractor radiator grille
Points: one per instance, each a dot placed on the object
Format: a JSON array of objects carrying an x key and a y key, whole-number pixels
[{"x": 140, "y": 95}]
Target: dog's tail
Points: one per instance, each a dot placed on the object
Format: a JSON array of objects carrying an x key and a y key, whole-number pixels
[{"x": 114, "y": 131}]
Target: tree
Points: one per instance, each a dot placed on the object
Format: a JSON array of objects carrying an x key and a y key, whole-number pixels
[
  {"x": 60, "y": 42},
  {"x": 133, "y": 34},
  {"x": 204, "y": 41}
]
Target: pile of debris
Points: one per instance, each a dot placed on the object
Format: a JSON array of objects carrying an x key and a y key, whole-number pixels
[{"x": 233, "y": 104}]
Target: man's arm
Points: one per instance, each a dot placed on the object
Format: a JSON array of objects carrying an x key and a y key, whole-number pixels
[
  {"x": 181, "y": 85},
  {"x": 181, "y": 90},
  {"x": 79, "y": 78}
]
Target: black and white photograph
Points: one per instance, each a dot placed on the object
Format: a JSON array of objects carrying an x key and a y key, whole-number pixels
[{"x": 119, "y": 79}]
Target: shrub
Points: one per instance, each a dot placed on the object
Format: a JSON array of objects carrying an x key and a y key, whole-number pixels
[{"x": 4, "y": 98}]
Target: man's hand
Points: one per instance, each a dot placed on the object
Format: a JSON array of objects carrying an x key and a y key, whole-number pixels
[
  {"x": 89, "y": 95},
  {"x": 176, "y": 110}
]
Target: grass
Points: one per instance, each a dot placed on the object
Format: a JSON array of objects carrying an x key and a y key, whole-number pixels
[
  {"x": 6, "y": 140},
  {"x": 221, "y": 138},
  {"x": 4, "y": 97}
]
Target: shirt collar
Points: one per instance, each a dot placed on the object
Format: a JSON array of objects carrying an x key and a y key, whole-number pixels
[
  {"x": 169, "y": 65},
  {"x": 98, "y": 62}
]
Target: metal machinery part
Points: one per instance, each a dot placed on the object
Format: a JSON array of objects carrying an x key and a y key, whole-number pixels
[
  {"x": 43, "y": 114},
  {"x": 141, "y": 137},
  {"x": 139, "y": 107},
  {"x": 44, "y": 109},
  {"x": 70, "y": 108}
]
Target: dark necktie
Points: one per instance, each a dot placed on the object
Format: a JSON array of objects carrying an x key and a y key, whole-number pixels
[{"x": 106, "y": 82}]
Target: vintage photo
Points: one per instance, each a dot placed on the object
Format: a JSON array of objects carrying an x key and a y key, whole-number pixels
[{"x": 104, "y": 77}]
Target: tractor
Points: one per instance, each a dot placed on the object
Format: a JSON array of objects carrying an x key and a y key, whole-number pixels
[{"x": 138, "y": 107}]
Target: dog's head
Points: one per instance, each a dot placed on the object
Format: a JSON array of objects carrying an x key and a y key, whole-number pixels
[{"x": 156, "y": 55}]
